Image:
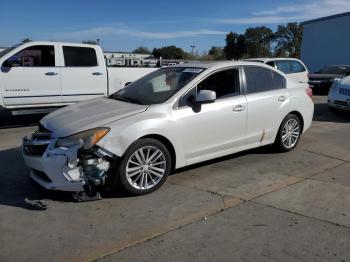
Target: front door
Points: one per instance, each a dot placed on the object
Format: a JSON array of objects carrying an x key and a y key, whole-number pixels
[
  {"x": 218, "y": 128},
  {"x": 31, "y": 78}
]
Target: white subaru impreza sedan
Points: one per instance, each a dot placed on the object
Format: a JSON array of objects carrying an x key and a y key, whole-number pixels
[{"x": 170, "y": 118}]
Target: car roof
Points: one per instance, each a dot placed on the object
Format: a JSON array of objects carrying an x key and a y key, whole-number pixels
[
  {"x": 220, "y": 64},
  {"x": 267, "y": 59}
]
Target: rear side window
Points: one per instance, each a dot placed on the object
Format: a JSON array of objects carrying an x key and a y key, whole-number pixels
[
  {"x": 290, "y": 66},
  {"x": 258, "y": 79},
  {"x": 79, "y": 56},
  {"x": 297, "y": 67}
]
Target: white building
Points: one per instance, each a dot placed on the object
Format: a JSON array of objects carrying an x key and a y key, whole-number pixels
[
  {"x": 326, "y": 42},
  {"x": 129, "y": 59}
]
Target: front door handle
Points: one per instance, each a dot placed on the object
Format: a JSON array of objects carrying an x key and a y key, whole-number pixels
[
  {"x": 238, "y": 108},
  {"x": 51, "y": 73},
  {"x": 97, "y": 73},
  {"x": 282, "y": 98}
]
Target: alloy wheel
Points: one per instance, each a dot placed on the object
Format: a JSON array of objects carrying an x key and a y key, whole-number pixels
[{"x": 145, "y": 167}]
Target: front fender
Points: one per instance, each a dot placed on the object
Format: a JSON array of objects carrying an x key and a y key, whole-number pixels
[{"x": 126, "y": 131}]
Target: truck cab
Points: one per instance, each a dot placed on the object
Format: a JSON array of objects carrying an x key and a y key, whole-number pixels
[{"x": 54, "y": 74}]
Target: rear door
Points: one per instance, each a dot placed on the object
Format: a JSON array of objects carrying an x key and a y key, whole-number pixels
[
  {"x": 268, "y": 103},
  {"x": 33, "y": 79},
  {"x": 83, "y": 73}
]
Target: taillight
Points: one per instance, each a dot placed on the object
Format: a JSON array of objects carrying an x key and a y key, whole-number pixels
[{"x": 309, "y": 92}]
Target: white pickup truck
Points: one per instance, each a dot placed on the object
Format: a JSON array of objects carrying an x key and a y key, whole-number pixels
[{"x": 36, "y": 76}]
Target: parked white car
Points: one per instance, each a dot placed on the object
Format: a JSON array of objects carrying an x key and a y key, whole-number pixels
[
  {"x": 38, "y": 75},
  {"x": 171, "y": 118},
  {"x": 339, "y": 95},
  {"x": 292, "y": 67}
]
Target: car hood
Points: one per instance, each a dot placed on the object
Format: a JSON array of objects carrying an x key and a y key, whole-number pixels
[
  {"x": 88, "y": 114},
  {"x": 324, "y": 77}
]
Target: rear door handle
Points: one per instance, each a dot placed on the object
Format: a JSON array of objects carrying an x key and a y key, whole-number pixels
[
  {"x": 238, "y": 108},
  {"x": 97, "y": 73},
  {"x": 51, "y": 73},
  {"x": 282, "y": 98}
]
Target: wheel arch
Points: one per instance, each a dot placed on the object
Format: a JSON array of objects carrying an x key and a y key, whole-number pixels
[
  {"x": 168, "y": 145},
  {"x": 300, "y": 116}
]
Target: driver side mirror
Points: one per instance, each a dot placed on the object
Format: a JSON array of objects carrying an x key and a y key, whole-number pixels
[
  {"x": 205, "y": 97},
  {"x": 12, "y": 62}
]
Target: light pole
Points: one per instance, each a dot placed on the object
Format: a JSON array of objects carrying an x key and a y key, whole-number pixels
[
  {"x": 98, "y": 41},
  {"x": 193, "y": 47}
]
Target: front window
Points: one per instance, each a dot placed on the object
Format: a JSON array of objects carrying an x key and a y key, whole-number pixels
[
  {"x": 158, "y": 86},
  {"x": 34, "y": 56}
]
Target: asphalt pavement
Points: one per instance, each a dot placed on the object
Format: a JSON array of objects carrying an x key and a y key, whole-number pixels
[{"x": 257, "y": 205}]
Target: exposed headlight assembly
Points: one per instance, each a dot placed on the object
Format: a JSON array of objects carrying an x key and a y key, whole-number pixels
[{"x": 86, "y": 138}]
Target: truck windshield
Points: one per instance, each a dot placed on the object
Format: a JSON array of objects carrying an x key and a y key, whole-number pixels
[
  {"x": 5, "y": 51},
  {"x": 158, "y": 86}
]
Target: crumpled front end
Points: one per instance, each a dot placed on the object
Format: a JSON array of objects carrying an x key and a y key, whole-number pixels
[{"x": 70, "y": 168}]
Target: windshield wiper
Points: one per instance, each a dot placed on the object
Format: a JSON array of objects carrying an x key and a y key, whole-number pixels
[{"x": 126, "y": 99}]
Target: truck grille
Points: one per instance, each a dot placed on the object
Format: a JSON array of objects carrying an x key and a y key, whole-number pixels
[
  {"x": 344, "y": 91},
  {"x": 341, "y": 103}
]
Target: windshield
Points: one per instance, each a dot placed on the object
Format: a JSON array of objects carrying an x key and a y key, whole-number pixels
[
  {"x": 158, "y": 86},
  {"x": 335, "y": 70},
  {"x": 5, "y": 51}
]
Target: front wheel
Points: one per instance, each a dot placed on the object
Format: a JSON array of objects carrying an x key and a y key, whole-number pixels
[
  {"x": 144, "y": 167},
  {"x": 289, "y": 133}
]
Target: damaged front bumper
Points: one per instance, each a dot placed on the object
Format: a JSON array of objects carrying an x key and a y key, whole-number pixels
[{"x": 66, "y": 169}]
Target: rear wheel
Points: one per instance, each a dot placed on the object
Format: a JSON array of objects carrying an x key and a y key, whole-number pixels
[
  {"x": 289, "y": 133},
  {"x": 144, "y": 167}
]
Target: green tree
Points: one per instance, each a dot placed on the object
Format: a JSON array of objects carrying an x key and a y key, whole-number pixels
[
  {"x": 170, "y": 52},
  {"x": 216, "y": 53},
  {"x": 258, "y": 41},
  {"x": 141, "y": 50},
  {"x": 235, "y": 46},
  {"x": 288, "y": 40}
]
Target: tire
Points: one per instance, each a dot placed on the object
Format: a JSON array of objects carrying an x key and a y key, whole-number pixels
[
  {"x": 144, "y": 167},
  {"x": 289, "y": 133}
]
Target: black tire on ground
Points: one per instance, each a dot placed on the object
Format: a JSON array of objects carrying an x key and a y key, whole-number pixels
[
  {"x": 279, "y": 145},
  {"x": 122, "y": 181}
]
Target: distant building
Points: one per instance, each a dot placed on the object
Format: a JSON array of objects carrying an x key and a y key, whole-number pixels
[
  {"x": 326, "y": 41},
  {"x": 129, "y": 59}
]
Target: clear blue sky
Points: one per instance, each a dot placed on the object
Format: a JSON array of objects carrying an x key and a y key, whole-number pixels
[{"x": 125, "y": 25}]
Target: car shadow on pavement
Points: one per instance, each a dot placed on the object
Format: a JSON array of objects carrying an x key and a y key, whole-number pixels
[
  {"x": 17, "y": 189},
  {"x": 322, "y": 113},
  {"x": 9, "y": 121}
]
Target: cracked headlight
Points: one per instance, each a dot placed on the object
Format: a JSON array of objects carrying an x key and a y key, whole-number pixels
[{"x": 87, "y": 139}]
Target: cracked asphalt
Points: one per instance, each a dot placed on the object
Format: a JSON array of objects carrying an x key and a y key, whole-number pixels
[{"x": 257, "y": 205}]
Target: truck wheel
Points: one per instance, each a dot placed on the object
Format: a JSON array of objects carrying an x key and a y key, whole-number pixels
[
  {"x": 289, "y": 133},
  {"x": 144, "y": 167}
]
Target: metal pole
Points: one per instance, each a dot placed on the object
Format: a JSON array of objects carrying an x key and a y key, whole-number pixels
[{"x": 192, "y": 46}]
